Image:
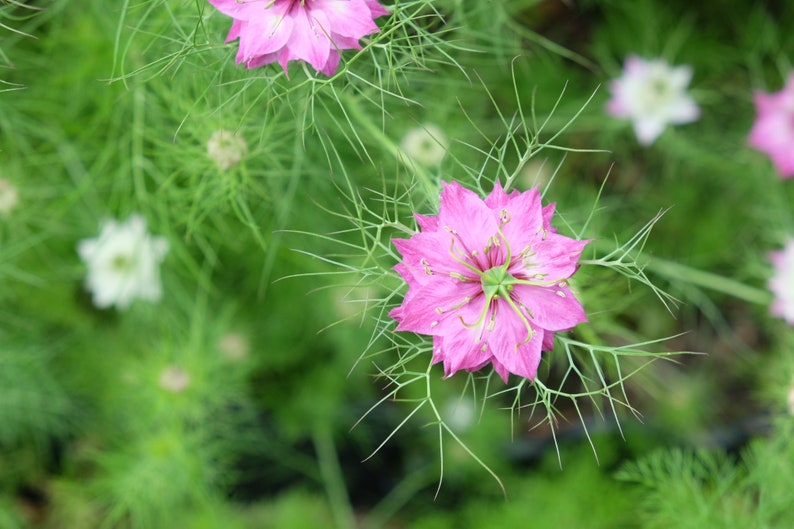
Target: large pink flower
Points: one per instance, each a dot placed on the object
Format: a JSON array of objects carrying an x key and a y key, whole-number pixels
[
  {"x": 773, "y": 130},
  {"x": 488, "y": 280},
  {"x": 309, "y": 30}
]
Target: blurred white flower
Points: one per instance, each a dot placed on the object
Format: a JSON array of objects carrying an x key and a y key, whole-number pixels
[
  {"x": 226, "y": 149},
  {"x": 234, "y": 346},
  {"x": 460, "y": 414},
  {"x": 8, "y": 197},
  {"x": 652, "y": 94},
  {"x": 536, "y": 173},
  {"x": 425, "y": 146},
  {"x": 174, "y": 379},
  {"x": 123, "y": 263},
  {"x": 781, "y": 284}
]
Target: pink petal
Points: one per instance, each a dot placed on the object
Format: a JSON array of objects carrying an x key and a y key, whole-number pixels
[
  {"x": 463, "y": 212},
  {"x": 460, "y": 351},
  {"x": 555, "y": 258},
  {"x": 510, "y": 343},
  {"x": 308, "y": 42},
  {"x": 431, "y": 253},
  {"x": 376, "y": 10},
  {"x": 438, "y": 306},
  {"x": 525, "y": 223},
  {"x": 553, "y": 308},
  {"x": 348, "y": 18},
  {"x": 426, "y": 223}
]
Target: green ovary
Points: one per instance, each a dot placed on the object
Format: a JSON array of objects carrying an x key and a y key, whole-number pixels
[{"x": 496, "y": 282}]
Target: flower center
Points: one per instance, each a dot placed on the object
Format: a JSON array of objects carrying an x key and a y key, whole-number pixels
[
  {"x": 496, "y": 283},
  {"x": 121, "y": 263}
]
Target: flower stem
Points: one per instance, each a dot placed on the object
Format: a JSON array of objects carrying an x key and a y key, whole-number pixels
[
  {"x": 333, "y": 481},
  {"x": 353, "y": 108},
  {"x": 708, "y": 280}
]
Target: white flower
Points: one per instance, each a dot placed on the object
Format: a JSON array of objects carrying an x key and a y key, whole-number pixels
[
  {"x": 8, "y": 197},
  {"x": 226, "y": 149},
  {"x": 123, "y": 263},
  {"x": 234, "y": 346},
  {"x": 174, "y": 379},
  {"x": 425, "y": 146},
  {"x": 652, "y": 94},
  {"x": 782, "y": 282},
  {"x": 460, "y": 414}
]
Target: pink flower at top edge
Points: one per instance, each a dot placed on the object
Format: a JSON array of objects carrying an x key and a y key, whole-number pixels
[
  {"x": 782, "y": 282},
  {"x": 652, "y": 94},
  {"x": 773, "y": 130},
  {"x": 488, "y": 280},
  {"x": 309, "y": 30}
]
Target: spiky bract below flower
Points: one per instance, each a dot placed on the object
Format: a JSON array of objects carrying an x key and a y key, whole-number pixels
[
  {"x": 773, "y": 130},
  {"x": 782, "y": 282},
  {"x": 488, "y": 280},
  {"x": 652, "y": 94},
  {"x": 123, "y": 263},
  {"x": 314, "y": 31}
]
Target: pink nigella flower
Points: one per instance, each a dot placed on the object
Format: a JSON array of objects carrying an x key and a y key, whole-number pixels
[
  {"x": 782, "y": 282},
  {"x": 652, "y": 94},
  {"x": 309, "y": 30},
  {"x": 773, "y": 130},
  {"x": 488, "y": 280}
]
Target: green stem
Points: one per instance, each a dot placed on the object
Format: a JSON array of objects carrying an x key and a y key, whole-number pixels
[
  {"x": 333, "y": 481},
  {"x": 708, "y": 280},
  {"x": 374, "y": 132}
]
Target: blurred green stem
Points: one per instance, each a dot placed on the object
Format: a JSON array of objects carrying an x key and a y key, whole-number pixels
[
  {"x": 359, "y": 116},
  {"x": 707, "y": 280},
  {"x": 333, "y": 480}
]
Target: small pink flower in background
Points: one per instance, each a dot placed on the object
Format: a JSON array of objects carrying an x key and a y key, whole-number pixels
[
  {"x": 488, "y": 280},
  {"x": 782, "y": 282},
  {"x": 309, "y": 30},
  {"x": 652, "y": 94},
  {"x": 773, "y": 130}
]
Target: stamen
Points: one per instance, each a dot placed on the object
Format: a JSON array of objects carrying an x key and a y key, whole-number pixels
[
  {"x": 466, "y": 300},
  {"x": 462, "y": 260},
  {"x": 530, "y": 331},
  {"x": 426, "y": 266},
  {"x": 492, "y": 322}
]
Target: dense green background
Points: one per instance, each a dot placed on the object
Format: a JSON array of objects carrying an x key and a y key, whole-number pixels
[{"x": 105, "y": 110}]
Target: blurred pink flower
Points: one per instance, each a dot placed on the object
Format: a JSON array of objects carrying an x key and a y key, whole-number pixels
[
  {"x": 652, "y": 94},
  {"x": 773, "y": 130},
  {"x": 310, "y": 30},
  {"x": 488, "y": 280},
  {"x": 782, "y": 282}
]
